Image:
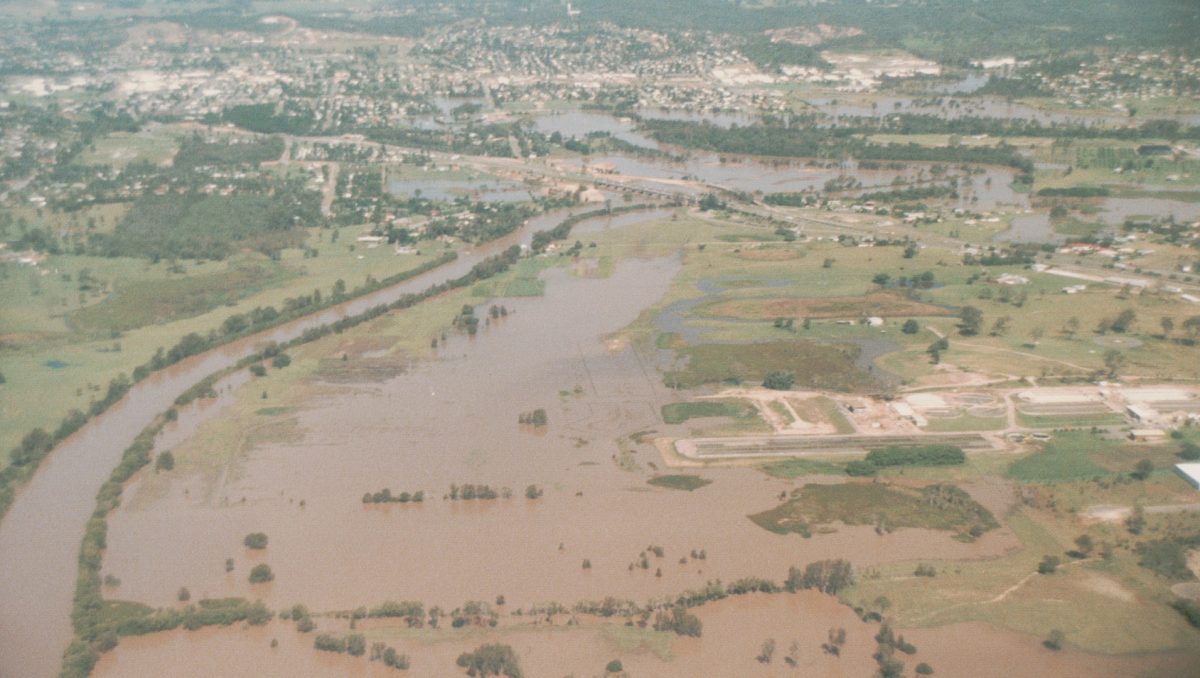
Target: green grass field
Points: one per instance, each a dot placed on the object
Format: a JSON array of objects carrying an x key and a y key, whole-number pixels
[
  {"x": 873, "y": 504},
  {"x": 1065, "y": 457},
  {"x": 679, "y": 482},
  {"x": 677, "y": 413},
  {"x": 813, "y": 365}
]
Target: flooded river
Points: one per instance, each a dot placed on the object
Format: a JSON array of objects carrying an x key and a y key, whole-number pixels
[{"x": 40, "y": 536}]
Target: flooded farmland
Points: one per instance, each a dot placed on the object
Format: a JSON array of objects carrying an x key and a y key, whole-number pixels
[
  {"x": 409, "y": 424},
  {"x": 35, "y": 597},
  {"x": 425, "y": 430}
]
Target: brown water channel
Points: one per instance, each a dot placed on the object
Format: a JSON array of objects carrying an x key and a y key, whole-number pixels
[{"x": 40, "y": 536}]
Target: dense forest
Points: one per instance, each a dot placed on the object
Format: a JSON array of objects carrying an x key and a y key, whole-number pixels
[{"x": 199, "y": 226}]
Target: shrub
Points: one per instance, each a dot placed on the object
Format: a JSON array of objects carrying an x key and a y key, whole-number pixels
[
  {"x": 329, "y": 643},
  {"x": 860, "y": 468},
  {"x": 779, "y": 381},
  {"x": 261, "y": 574},
  {"x": 923, "y": 455},
  {"x": 255, "y": 540},
  {"x": 678, "y": 620}
]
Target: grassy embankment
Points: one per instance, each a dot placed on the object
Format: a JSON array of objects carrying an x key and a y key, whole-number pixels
[
  {"x": 62, "y": 342},
  {"x": 936, "y": 507}
]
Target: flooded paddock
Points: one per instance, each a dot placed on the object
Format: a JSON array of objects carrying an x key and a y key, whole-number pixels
[
  {"x": 454, "y": 420},
  {"x": 40, "y": 536}
]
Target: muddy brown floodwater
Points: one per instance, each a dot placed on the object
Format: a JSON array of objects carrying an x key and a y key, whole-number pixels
[
  {"x": 454, "y": 420},
  {"x": 40, "y": 535}
]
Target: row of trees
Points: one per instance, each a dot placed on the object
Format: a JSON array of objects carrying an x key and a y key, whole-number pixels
[
  {"x": 822, "y": 142},
  {"x": 385, "y": 496}
]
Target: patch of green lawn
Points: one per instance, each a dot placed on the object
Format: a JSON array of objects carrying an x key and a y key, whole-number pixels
[{"x": 679, "y": 482}]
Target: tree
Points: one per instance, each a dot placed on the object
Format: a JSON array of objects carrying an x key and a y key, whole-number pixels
[
  {"x": 491, "y": 660},
  {"x": 1142, "y": 470},
  {"x": 1113, "y": 360},
  {"x": 614, "y": 666},
  {"x": 1071, "y": 327},
  {"x": 1055, "y": 640},
  {"x": 971, "y": 320},
  {"x": 1048, "y": 565},
  {"x": 1085, "y": 544},
  {"x": 356, "y": 644},
  {"x": 261, "y": 574},
  {"x": 165, "y": 461},
  {"x": 255, "y": 540},
  {"x": 881, "y": 279},
  {"x": 1123, "y": 321},
  {"x": 258, "y": 370},
  {"x": 1000, "y": 326},
  {"x": 184, "y": 595},
  {"x": 910, "y": 326},
  {"x": 1189, "y": 451},
  {"x": 1192, "y": 326},
  {"x": 1167, "y": 325},
  {"x": 280, "y": 361},
  {"x": 924, "y": 669}
]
